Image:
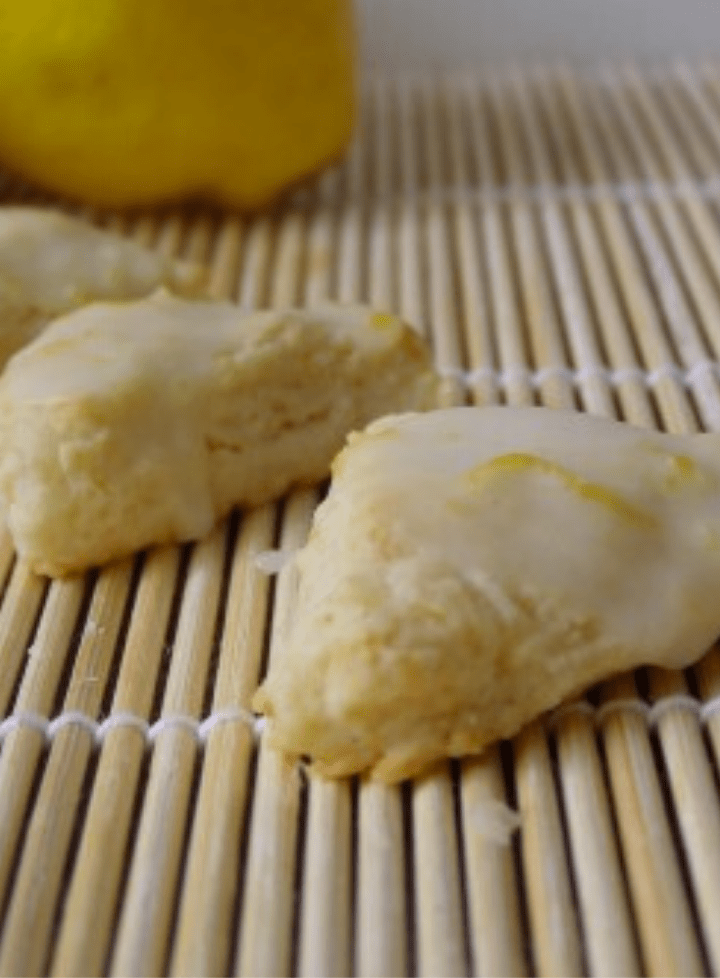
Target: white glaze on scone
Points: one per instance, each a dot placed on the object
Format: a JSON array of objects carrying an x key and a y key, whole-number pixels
[
  {"x": 51, "y": 263},
  {"x": 472, "y": 567}
]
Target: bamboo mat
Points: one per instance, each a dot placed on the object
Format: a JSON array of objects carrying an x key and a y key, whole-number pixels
[{"x": 558, "y": 238}]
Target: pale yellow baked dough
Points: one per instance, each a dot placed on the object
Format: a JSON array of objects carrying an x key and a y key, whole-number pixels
[
  {"x": 51, "y": 263},
  {"x": 128, "y": 424},
  {"x": 472, "y": 567}
]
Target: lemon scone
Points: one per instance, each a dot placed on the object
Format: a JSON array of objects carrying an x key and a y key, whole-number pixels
[
  {"x": 470, "y": 568},
  {"x": 51, "y": 263},
  {"x": 128, "y": 424}
]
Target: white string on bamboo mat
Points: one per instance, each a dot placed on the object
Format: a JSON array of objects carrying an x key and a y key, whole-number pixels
[
  {"x": 98, "y": 730},
  {"x": 568, "y": 193},
  {"x": 49, "y": 728},
  {"x": 652, "y": 713},
  {"x": 615, "y": 378},
  {"x": 630, "y": 192}
]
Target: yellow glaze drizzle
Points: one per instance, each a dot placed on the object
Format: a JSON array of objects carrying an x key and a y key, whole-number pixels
[
  {"x": 682, "y": 470},
  {"x": 383, "y": 320},
  {"x": 515, "y": 463}
]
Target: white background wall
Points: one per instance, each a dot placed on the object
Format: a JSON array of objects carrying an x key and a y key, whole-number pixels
[{"x": 426, "y": 34}]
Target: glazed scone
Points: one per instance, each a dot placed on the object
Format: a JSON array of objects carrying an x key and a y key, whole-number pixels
[
  {"x": 470, "y": 568},
  {"x": 129, "y": 424},
  {"x": 51, "y": 264}
]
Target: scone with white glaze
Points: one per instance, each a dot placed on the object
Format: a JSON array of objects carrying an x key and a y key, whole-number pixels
[
  {"x": 129, "y": 424},
  {"x": 51, "y": 263},
  {"x": 470, "y": 568}
]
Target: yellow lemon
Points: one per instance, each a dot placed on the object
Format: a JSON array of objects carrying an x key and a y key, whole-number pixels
[{"x": 129, "y": 102}]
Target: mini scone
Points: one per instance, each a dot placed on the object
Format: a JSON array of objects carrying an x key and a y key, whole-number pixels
[
  {"x": 129, "y": 424},
  {"x": 51, "y": 263},
  {"x": 471, "y": 568}
]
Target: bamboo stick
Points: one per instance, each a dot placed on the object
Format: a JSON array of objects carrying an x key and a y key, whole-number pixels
[
  {"x": 326, "y": 918},
  {"x": 707, "y": 675},
  {"x": 494, "y": 919},
  {"x": 227, "y": 254},
  {"x": 473, "y": 299},
  {"x": 24, "y": 747},
  {"x": 320, "y": 281},
  {"x": 553, "y": 917},
  {"x": 18, "y": 614},
  {"x": 695, "y": 796},
  {"x": 266, "y": 927},
  {"x": 412, "y": 286},
  {"x": 707, "y": 672},
  {"x": 380, "y": 243},
  {"x": 707, "y": 74},
  {"x": 381, "y": 942},
  {"x": 441, "y": 261},
  {"x": 508, "y": 328},
  {"x": 439, "y": 930}
]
